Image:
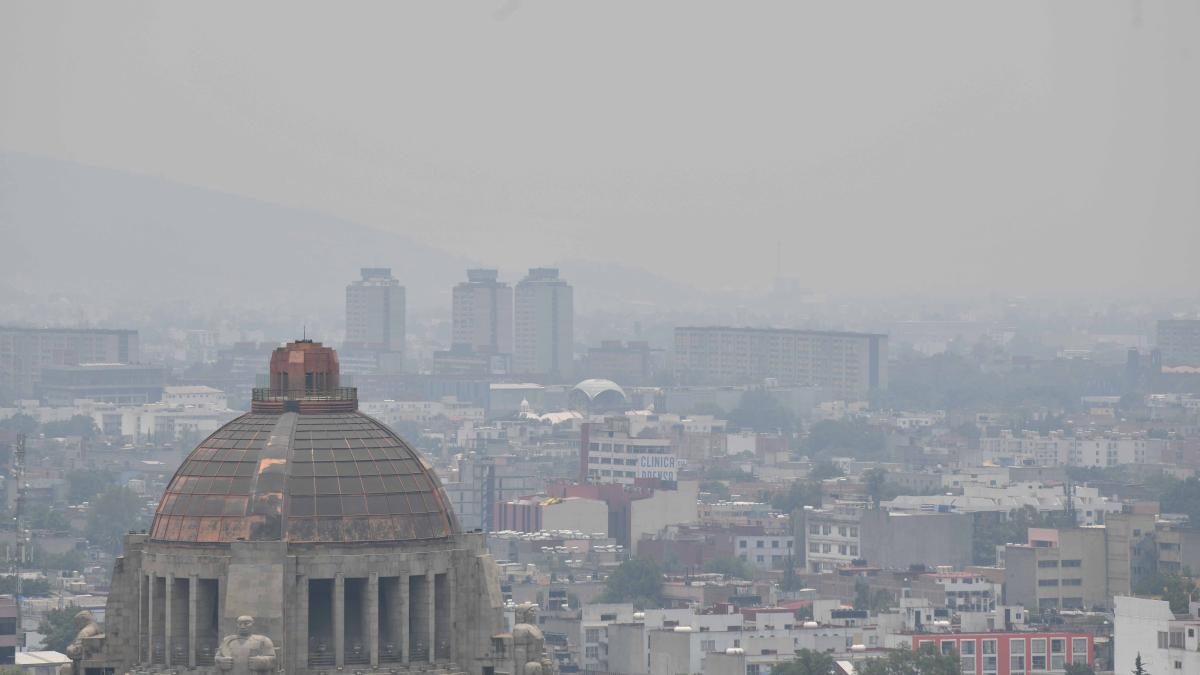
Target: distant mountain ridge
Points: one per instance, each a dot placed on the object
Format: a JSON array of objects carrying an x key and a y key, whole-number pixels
[
  {"x": 123, "y": 234},
  {"x": 115, "y": 236}
]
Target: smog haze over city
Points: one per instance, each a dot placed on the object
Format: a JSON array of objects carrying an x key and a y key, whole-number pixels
[{"x": 830, "y": 331}]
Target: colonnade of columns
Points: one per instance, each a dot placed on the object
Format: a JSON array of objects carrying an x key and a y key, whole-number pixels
[
  {"x": 374, "y": 619},
  {"x": 179, "y": 620},
  {"x": 339, "y": 621}
]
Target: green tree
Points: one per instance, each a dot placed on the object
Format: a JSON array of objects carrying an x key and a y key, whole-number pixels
[
  {"x": 83, "y": 484},
  {"x": 39, "y": 587},
  {"x": 716, "y": 490},
  {"x": 708, "y": 408},
  {"x": 1176, "y": 589},
  {"x": 730, "y": 566},
  {"x": 799, "y": 494},
  {"x": 19, "y": 423},
  {"x": 854, "y": 438},
  {"x": 1182, "y": 496},
  {"x": 1138, "y": 669},
  {"x": 59, "y": 628},
  {"x": 875, "y": 479},
  {"x": 1079, "y": 669},
  {"x": 114, "y": 512},
  {"x": 825, "y": 468},
  {"x": 807, "y": 662},
  {"x": 78, "y": 425},
  {"x": 48, "y": 519},
  {"x": 927, "y": 661},
  {"x": 991, "y": 532},
  {"x": 53, "y": 563},
  {"x": 762, "y": 412},
  {"x": 638, "y": 581}
]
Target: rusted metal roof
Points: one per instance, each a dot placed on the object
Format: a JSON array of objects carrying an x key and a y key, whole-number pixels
[{"x": 303, "y": 477}]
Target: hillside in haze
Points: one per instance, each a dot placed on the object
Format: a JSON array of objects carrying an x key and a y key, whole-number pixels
[
  {"x": 115, "y": 237},
  {"x": 110, "y": 235}
]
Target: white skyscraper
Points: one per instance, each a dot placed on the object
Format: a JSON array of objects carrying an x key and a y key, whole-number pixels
[
  {"x": 544, "y": 321},
  {"x": 375, "y": 317}
]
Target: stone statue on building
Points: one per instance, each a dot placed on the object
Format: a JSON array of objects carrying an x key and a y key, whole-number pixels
[
  {"x": 529, "y": 644},
  {"x": 87, "y": 641},
  {"x": 246, "y": 652}
]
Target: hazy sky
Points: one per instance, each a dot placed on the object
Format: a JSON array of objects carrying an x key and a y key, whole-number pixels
[{"x": 876, "y": 145}]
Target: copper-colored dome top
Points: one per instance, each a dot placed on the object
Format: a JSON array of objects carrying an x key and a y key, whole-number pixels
[{"x": 303, "y": 477}]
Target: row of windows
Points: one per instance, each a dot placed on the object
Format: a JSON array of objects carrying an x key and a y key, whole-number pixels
[
  {"x": 843, "y": 549},
  {"x": 842, "y": 530},
  {"x": 762, "y": 544}
]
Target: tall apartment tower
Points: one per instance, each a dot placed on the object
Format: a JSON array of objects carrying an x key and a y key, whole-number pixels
[
  {"x": 544, "y": 325},
  {"x": 375, "y": 317},
  {"x": 1179, "y": 342},
  {"x": 482, "y": 314}
]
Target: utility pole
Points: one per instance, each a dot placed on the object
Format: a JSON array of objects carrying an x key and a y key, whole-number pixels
[{"x": 18, "y": 465}]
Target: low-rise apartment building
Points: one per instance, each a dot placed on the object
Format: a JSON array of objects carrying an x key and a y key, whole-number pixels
[
  {"x": 1167, "y": 643},
  {"x": 1009, "y": 653}
]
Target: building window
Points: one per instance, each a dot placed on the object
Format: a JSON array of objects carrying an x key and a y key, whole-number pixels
[
  {"x": 947, "y": 646},
  {"x": 988, "y": 648},
  {"x": 1047, "y": 582},
  {"x": 774, "y": 543},
  {"x": 1037, "y": 649},
  {"x": 1047, "y": 563},
  {"x": 758, "y": 544},
  {"x": 1016, "y": 656},
  {"x": 742, "y": 544},
  {"x": 1079, "y": 649},
  {"x": 1057, "y": 648},
  {"x": 592, "y": 635},
  {"x": 1072, "y": 563},
  {"x": 966, "y": 652},
  {"x": 814, "y": 548}
]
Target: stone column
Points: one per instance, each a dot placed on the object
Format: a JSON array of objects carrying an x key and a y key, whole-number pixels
[
  {"x": 403, "y": 596},
  {"x": 301, "y": 651},
  {"x": 222, "y": 623},
  {"x": 372, "y": 617},
  {"x": 193, "y": 618},
  {"x": 339, "y": 619},
  {"x": 448, "y": 604},
  {"x": 430, "y": 585},
  {"x": 168, "y": 619},
  {"x": 150, "y": 599}
]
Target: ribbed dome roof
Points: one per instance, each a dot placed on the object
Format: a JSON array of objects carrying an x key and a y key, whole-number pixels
[{"x": 303, "y": 477}]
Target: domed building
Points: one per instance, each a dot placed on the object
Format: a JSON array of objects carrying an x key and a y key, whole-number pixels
[
  {"x": 597, "y": 396},
  {"x": 320, "y": 523}
]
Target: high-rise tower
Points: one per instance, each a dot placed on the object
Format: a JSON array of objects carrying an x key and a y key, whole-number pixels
[
  {"x": 482, "y": 315},
  {"x": 375, "y": 317},
  {"x": 544, "y": 325}
]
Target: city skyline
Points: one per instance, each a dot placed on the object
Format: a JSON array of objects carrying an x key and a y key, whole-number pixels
[{"x": 929, "y": 154}]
